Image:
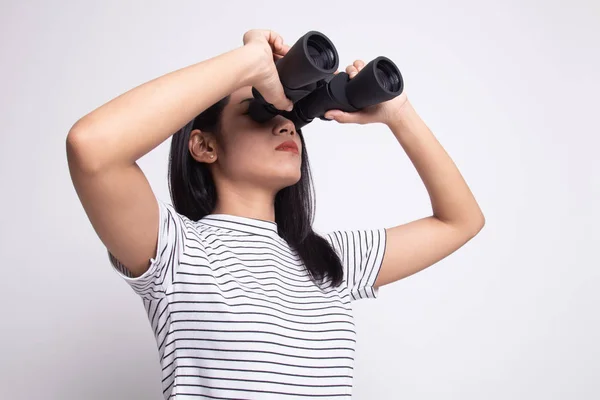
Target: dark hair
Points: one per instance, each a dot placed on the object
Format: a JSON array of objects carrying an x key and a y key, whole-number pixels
[{"x": 194, "y": 195}]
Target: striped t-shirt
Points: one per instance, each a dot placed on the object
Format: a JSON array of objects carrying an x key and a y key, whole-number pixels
[{"x": 235, "y": 313}]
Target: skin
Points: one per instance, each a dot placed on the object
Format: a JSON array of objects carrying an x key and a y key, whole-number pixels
[
  {"x": 247, "y": 170},
  {"x": 248, "y": 173},
  {"x": 456, "y": 217},
  {"x": 103, "y": 148}
]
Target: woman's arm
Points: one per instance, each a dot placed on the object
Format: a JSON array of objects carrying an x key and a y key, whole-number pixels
[
  {"x": 123, "y": 130},
  {"x": 451, "y": 199},
  {"x": 103, "y": 146},
  {"x": 456, "y": 215}
]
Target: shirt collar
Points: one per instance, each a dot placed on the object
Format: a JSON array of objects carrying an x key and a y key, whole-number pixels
[{"x": 242, "y": 224}]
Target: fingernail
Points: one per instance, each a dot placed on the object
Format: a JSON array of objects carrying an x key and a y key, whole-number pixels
[{"x": 290, "y": 107}]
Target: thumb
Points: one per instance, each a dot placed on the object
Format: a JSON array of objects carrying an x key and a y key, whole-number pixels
[
  {"x": 340, "y": 116},
  {"x": 273, "y": 93}
]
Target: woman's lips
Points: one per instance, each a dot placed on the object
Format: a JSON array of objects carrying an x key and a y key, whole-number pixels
[{"x": 288, "y": 146}]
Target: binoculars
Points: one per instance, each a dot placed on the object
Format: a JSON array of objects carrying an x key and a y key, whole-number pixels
[{"x": 307, "y": 74}]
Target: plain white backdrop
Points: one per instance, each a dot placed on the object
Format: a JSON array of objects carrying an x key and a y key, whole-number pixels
[{"x": 509, "y": 88}]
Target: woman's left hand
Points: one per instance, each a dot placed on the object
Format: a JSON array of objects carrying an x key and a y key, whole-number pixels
[{"x": 383, "y": 113}]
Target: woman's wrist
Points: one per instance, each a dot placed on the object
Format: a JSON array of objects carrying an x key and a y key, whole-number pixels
[{"x": 252, "y": 58}]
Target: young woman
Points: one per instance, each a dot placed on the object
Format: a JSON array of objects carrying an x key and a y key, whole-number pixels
[{"x": 245, "y": 300}]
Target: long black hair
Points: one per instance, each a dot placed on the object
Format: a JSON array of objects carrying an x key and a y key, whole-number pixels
[{"x": 194, "y": 195}]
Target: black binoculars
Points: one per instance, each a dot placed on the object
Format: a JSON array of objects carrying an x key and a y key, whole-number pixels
[{"x": 307, "y": 74}]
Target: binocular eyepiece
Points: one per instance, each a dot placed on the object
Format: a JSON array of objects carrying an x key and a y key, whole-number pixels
[{"x": 307, "y": 74}]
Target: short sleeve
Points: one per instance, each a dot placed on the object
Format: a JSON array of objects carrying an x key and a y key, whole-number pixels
[
  {"x": 361, "y": 253},
  {"x": 153, "y": 283}
]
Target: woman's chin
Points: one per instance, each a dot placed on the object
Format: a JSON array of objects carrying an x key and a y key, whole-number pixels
[{"x": 285, "y": 180}]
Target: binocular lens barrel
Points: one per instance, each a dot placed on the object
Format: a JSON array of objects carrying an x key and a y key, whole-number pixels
[
  {"x": 388, "y": 76},
  {"x": 312, "y": 58},
  {"x": 321, "y": 52},
  {"x": 380, "y": 80},
  {"x": 307, "y": 74}
]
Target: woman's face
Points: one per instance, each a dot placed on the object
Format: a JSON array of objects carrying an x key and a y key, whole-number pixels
[{"x": 245, "y": 151}]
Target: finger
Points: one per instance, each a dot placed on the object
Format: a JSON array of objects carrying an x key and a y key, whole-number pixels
[
  {"x": 282, "y": 102},
  {"x": 280, "y": 49},
  {"x": 331, "y": 114},
  {"x": 274, "y": 94},
  {"x": 280, "y": 54},
  {"x": 271, "y": 36},
  {"x": 340, "y": 116},
  {"x": 284, "y": 48},
  {"x": 351, "y": 71},
  {"x": 277, "y": 55},
  {"x": 275, "y": 42},
  {"x": 359, "y": 64}
]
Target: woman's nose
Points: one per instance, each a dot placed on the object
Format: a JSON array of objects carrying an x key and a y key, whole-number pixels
[{"x": 285, "y": 127}]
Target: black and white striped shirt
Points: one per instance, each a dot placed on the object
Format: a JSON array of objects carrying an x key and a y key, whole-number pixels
[{"x": 236, "y": 315}]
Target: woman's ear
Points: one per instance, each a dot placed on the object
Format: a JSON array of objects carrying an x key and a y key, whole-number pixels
[{"x": 202, "y": 146}]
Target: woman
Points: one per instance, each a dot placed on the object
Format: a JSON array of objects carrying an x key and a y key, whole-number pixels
[{"x": 245, "y": 300}]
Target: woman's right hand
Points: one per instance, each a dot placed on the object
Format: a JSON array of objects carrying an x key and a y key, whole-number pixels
[{"x": 269, "y": 47}]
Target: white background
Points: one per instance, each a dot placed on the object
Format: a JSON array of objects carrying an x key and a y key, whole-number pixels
[{"x": 509, "y": 88}]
